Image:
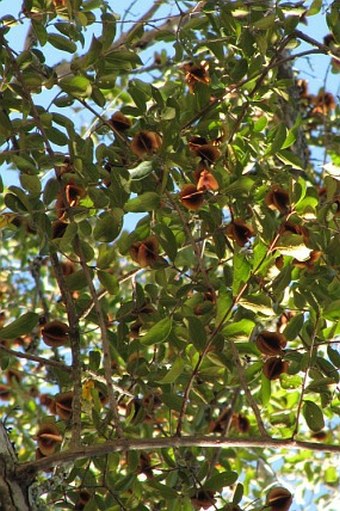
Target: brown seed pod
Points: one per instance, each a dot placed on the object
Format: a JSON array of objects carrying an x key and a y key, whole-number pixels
[
  {"x": 67, "y": 267},
  {"x": 240, "y": 423},
  {"x": 48, "y": 437},
  {"x": 289, "y": 227},
  {"x": 203, "y": 499},
  {"x": 145, "y": 252},
  {"x": 309, "y": 263},
  {"x": 205, "y": 150},
  {"x": 59, "y": 3},
  {"x": 120, "y": 122},
  {"x": 274, "y": 367},
  {"x": 63, "y": 405},
  {"x": 207, "y": 181},
  {"x": 239, "y": 231},
  {"x": 302, "y": 86},
  {"x": 65, "y": 168},
  {"x": 324, "y": 102},
  {"x": 84, "y": 497},
  {"x": 320, "y": 436},
  {"x": 279, "y": 499},
  {"x": 5, "y": 392},
  {"x": 69, "y": 197},
  {"x": 58, "y": 229},
  {"x": 135, "y": 329},
  {"x": 285, "y": 317},
  {"x": 270, "y": 343},
  {"x": 13, "y": 375},
  {"x": 55, "y": 333},
  {"x": 144, "y": 466},
  {"x": 196, "y": 73},
  {"x": 146, "y": 143},
  {"x": 219, "y": 425},
  {"x": 279, "y": 262},
  {"x": 46, "y": 400},
  {"x": 191, "y": 198},
  {"x": 278, "y": 198}
]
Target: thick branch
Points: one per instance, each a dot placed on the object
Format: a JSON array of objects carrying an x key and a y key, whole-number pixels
[{"x": 30, "y": 468}]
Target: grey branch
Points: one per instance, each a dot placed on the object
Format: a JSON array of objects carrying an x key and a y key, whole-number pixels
[{"x": 31, "y": 468}]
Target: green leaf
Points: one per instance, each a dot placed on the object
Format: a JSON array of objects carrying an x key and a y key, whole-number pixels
[
  {"x": 141, "y": 171},
  {"x": 293, "y": 327},
  {"x": 277, "y": 137},
  {"x": 314, "y": 8},
  {"x": 147, "y": 201},
  {"x": 293, "y": 245},
  {"x": 238, "y": 493},
  {"x": 241, "y": 271},
  {"x": 109, "y": 30},
  {"x": 223, "y": 303},
  {"x": 313, "y": 416},
  {"x": 108, "y": 226},
  {"x": 258, "y": 303},
  {"x": 332, "y": 311},
  {"x": 21, "y": 326},
  {"x": 265, "y": 22},
  {"x": 265, "y": 391},
  {"x": 164, "y": 491},
  {"x": 239, "y": 329},
  {"x": 198, "y": 335},
  {"x": 6, "y": 128},
  {"x": 290, "y": 158},
  {"x": 334, "y": 356},
  {"x": 242, "y": 185},
  {"x": 174, "y": 372},
  {"x": 219, "y": 481},
  {"x": 106, "y": 255},
  {"x": 62, "y": 43},
  {"x": 56, "y": 136},
  {"x": 158, "y": 333},
  {"x": 108, "y": 281},
  {"x": 260, "y": 124},
  {"x": 78, "y": 86},
  {"x": 31, "y": 183},
  {"x": 76, "y": 280}
]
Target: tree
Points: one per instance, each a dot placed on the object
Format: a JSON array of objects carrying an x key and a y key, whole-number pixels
[{"x": 189, "y": 361}]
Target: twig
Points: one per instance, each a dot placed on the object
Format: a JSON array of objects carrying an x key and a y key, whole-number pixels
[
  {"x": 107, "y": 360},
  {"x": 216, "y": 330},
  {"x": 35, "y": 358},
  {"x": 29, "y": 469},
  {"x": 35, "y": 272}
]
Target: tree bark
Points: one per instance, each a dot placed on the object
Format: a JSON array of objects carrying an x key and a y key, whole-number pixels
[{"x": 13, "y": 494}]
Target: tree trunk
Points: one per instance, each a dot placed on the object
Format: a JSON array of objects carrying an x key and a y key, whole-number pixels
[{"x": 13, "y": 494}]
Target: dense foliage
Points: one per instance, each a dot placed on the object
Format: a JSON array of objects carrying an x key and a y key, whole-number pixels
[{"x": 170, "y": 256}]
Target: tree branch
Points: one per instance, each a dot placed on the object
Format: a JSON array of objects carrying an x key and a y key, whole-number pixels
[
  {"x": 91, "y": 451},
  {"x": 66, "y": 295},
  {"x": 35, "y": 358},
  {"x": 107, "y": 360}
]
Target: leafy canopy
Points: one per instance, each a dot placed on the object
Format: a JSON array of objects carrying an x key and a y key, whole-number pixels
[{"x": 170, "y": 256}]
